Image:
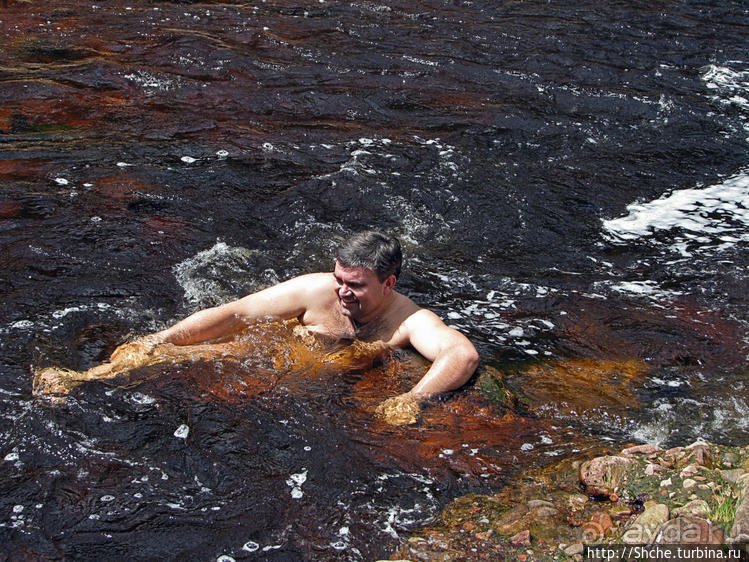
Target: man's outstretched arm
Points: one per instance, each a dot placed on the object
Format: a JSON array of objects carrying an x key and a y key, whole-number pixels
[{"x": 280, "y": 302}]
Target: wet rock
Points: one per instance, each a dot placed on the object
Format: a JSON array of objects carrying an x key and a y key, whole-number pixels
[
  {"x": 523, "y": 538},
  {"x": 602, "y": 476},
  {"x": 596, "y": 528},
  {"x": 508, "y": 522},
  {"x": 492, "y": 383},
  {"x": 542, "y": 508},
  {"x": 603, "y": 520},
  {"x": 646, "y": 449},
  {"x": 645, "y": 526},
  {"x": 534, "y": 504},
  {"x": 576, "y": 501},
  {"x": 688, "y": 529},
  {"x": 545, "y": 512},
  {"x": 618, "y": 512}
]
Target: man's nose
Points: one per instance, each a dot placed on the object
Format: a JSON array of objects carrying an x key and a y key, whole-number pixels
[{"x": 344, "y": 290}]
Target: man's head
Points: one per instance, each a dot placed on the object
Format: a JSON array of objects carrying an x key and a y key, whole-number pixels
[
  {"x": 372, "y": 250},
  {"x": 366, "y": 269}
]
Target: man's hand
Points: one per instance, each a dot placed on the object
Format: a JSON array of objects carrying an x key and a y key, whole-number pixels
[
  {"x": 136, "y": 353},
  {"x": 403, "y": 409}
]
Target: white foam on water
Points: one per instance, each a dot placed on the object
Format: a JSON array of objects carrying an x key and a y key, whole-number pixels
[
  {"x": 295, "y": 482},
  {"x": 182, "y": 432},
  {"x": 206, "y": 277},
  {"x": 251, "y": 546},
  {"x": 731, "y": 86},
  {"x": 720, "y": 211},
  {"x": 148, "y": 81}
]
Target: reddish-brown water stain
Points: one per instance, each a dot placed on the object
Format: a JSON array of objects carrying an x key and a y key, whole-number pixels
[
  {"x": 6, "y": 119},
  {"x": 160, "y": 227},
  {"x": 120, "y": 187},
  {"x": 46, "y": 116},
  {"x": 572, "y": 387},
  {"x": 20, "y": 169},
  {"x": 678, "y": 333},
  {"x": 465, "y": 433},
  {"x": 10, "y": 209}
]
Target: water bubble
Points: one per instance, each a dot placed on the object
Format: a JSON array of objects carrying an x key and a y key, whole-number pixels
[
  {"x": 188, "y": 159},
  {"x": 224, "y": 558},
  {"x": 107, "y": 498},
  {"x": 250, "y": 546},
  {"x": 222, "y": 153},
  {"x": 62, "y": 181},
  {"x": 11, "y": 457}
]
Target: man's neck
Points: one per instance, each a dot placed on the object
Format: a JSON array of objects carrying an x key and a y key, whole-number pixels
[{"x": 372, "y": 322}]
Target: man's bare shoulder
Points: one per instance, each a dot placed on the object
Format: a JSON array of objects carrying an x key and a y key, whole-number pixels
[
  {"x": 317, "y": 289},
  {"x": 404, "y": 306},
  {"x": 318, "y": 278}
]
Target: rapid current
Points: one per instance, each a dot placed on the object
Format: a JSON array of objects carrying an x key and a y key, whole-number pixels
[{"x": 570, "y": 181}]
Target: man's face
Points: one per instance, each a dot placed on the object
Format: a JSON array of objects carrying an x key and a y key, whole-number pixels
[{"x": 360, "y": 292}]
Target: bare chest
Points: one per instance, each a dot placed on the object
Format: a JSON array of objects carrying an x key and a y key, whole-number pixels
[{"x": 335, "y": 324}]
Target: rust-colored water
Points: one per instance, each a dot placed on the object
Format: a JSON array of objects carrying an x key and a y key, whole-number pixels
[{"x": 569, "y": 181}]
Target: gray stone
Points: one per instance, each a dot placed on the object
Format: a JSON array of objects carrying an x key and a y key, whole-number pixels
[
  {"x": 732, "y": 475},
  {"x": 698, "y": 508},
  {"x": 574, "y": 549},
  {"x": 689, "y": 530},
  {"x": 740, "y": 530},
  {"x": 645, "y": 526}
]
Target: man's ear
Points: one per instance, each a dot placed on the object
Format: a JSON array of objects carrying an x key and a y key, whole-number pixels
[{"x": 390, "y": 283}]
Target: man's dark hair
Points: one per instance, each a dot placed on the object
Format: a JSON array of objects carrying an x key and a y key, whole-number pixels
[{"x": 374, "y": 250}]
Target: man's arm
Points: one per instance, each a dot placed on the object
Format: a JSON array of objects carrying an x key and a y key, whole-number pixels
[
  {"x": 281, "y": 302},
  {"x": 454, "y": 358}
]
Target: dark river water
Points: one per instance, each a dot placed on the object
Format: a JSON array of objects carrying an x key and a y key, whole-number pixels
[{"x": 570, "y": 181}]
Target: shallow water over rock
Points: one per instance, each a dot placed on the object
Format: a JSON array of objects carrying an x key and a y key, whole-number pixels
[{"x": 569, "y": 181}]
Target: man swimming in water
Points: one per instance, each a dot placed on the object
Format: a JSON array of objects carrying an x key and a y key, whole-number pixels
[{"x": 357, "y": 301}]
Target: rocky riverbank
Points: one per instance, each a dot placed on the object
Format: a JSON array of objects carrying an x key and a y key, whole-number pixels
[{"x": 696, "y": 494}]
